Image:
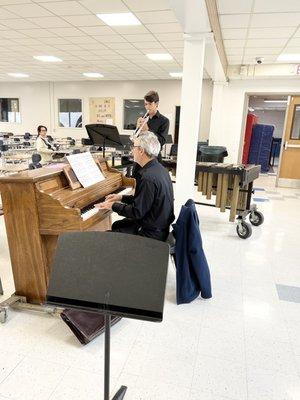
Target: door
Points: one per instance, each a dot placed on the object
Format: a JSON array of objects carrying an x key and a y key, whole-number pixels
[{"x": 289, "y": 172}]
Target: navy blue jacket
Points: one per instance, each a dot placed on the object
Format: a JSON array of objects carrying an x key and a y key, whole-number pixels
[{"x": 192, "y": 275}]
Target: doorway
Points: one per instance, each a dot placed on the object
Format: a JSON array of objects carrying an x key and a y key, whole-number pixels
[{"x": 263, "y": 147}]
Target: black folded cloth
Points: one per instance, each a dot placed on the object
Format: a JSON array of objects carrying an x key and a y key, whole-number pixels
[{"x": 85, "y": 325}]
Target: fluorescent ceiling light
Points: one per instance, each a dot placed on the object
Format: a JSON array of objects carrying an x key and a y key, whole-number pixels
[
  {"x": 134, "y": 101},
  {"x": 48, "y": 58},
  {"x": 275, "y": 101},
  {"x": 18, "y": 75},
  {"x": 159, "y": 56},
  {"x": 119, "y": 19},
  {"x": 93, "y": 75},
  {"x": 176, "y": 74},
  {"x": 289, "y": 57}
]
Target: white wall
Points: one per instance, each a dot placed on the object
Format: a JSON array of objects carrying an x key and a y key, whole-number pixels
[
  {"x": 38, "y": 102},
  {"x": 207, "y": 92},
  {"x": 233, "y": 110}
]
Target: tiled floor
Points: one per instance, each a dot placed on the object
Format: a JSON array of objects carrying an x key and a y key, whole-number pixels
[{"x": 244, "y": 344}]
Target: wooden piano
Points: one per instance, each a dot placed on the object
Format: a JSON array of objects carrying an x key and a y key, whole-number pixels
[{"x": 39, "y": 205}]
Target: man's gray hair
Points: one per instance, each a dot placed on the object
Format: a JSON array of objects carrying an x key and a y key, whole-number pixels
[{"x": 149, "y": 142}]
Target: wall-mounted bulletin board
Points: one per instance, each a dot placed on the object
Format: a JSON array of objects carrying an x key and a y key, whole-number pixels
[{"x": 102, "y": 110}]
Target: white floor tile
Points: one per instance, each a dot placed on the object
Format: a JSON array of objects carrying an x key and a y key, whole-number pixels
[{"x": 220, "y": 377}]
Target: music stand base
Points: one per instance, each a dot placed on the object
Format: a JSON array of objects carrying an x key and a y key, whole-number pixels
[{"x": 120, "y": 393}]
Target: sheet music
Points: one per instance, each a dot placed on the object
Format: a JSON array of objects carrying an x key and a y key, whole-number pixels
[{"x": 85, "y": 169}]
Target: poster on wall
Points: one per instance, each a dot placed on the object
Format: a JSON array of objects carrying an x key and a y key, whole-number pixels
[{"x": 102, "y": 110}]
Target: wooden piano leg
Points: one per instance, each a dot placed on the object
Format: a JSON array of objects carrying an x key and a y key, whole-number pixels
[
  {"x": 224, "y": 193},
  {"x": 219, "y": 190},
  {"x": 234, "y": 198},
  {"x": 209, "y": 185}
]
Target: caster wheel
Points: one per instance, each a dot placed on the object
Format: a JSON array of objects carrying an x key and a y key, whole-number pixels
[
  {"x": 256, "y": 218},
  {"x": 3, "y": 316},
  {"x": 244, "y": 230}
]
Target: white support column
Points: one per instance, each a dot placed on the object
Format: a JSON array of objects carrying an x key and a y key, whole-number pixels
[
  {"x": 216, "y": 130},
  {"x": 191, "y": 92}
]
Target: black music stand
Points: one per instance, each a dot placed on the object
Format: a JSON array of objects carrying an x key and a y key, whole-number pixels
[
  {"x": 169, "y": 139},
  {"x": 104, "y": 135},
  {"x": 112, "y": 273}
]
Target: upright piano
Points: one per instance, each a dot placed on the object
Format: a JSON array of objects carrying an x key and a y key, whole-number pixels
[{"x": 38, "y": 206}]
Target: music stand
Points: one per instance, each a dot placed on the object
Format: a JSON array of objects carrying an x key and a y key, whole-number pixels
[
  {"x": 112, "y": 273},
  {"x": 104, "y": 135},
  {"x": 169, "y": 139}
]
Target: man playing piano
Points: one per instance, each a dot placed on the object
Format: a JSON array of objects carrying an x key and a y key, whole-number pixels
[{"x": 150, "y": 211}]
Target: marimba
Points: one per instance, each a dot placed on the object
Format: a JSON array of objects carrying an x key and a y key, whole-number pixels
[{"x": 232, "y": 186}]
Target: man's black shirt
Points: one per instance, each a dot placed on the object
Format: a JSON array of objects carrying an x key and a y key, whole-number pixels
[
  {"x": 159, "y": 124},
  {"x": 152, "y": 205}
]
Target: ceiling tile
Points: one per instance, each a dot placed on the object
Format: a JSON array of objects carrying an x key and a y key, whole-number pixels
[
  {"x": 27, "y": 42},
  {"x": 12, "y": 34},
  {"x": 261, "y": 51},
  {"x": 272, "y": 6},
  {"x": 164, "y": 28},
  {"x": 66, "y": 8},
  {"x": 128, "y": 52},
  {"x": 120, "y": 46},
  {"x": 105, "y": 6},
  {"x": 93, "y": 46},
  {"x": 19, "y": 24},
  {"x": 266, "y": 33},
  {"x": 234, "y": 51},
  {"x": 173, "y": 44},
  {"x": 149, "y": 45},
  {"x": 81, "y": 39},
  {"x": 266, "y": 42},
  {"x": 234, "y": 43},
  {"x": 146, "y": 5},
  {"x": 147, "y": 37},
  {"x": 50, "y": 22},
  {"x": 65, "y": 32},
  {"x": 235, "y": 21},
  {"x": 54, "y": 40},
  {"x": 234, "y": 33},
  {"x": 297, "y": 33},
  {"x": 169, "y": 36},
  {"x": 152, "y": 17},
  {"x": 4, "y": 14},
  {"x": 84, "y": 20},
  {"x": 292, "y": 50},
  {"x": 97, "y": 30},
  {"x": 28, "y": 10},
  {"x": 275, "y": 20},
  {"x": 130, "y": 30},
  {"x": 294, "y": 42},
  {"x": 234, "y": 6},
  {"x": 110, "y": 39},
  {"x": 37, "y": 33}
]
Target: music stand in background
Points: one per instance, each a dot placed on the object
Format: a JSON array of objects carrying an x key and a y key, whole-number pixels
[
  {"x": 104, "y": 135},
  {"x": 169, "y": 139},
  {"x": 112, "y": 273}
]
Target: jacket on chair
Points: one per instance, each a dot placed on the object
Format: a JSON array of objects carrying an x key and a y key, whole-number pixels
[{"x": 192, "y": 271}]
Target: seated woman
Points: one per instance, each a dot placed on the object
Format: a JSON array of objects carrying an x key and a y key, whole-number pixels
[{"x": 43, "y": 146}]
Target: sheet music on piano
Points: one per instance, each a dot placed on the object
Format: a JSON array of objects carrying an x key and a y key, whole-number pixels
[{"x": 85, "y": 169}]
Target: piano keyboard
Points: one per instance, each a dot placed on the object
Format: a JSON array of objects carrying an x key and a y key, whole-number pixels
[{"x": 90, "y": 210}]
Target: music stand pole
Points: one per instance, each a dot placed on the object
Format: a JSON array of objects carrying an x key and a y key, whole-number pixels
[{"x": 106, "y": 357}]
